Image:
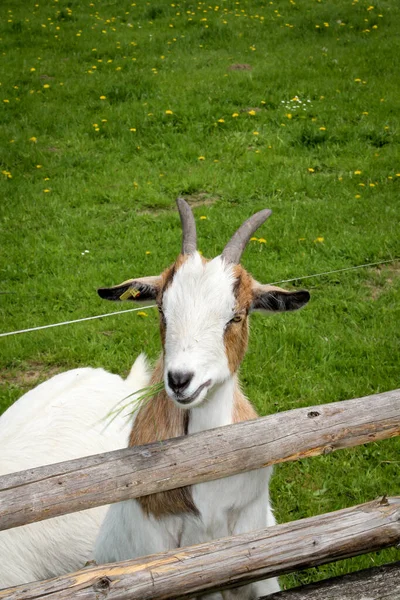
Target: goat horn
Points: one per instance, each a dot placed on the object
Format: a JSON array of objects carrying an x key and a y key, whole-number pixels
[
  {"x": 236, "y": 245},
  {"x": 189, "y": 237}
]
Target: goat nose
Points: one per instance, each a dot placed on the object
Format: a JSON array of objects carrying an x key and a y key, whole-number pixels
[{"x": 178, "y": 381}]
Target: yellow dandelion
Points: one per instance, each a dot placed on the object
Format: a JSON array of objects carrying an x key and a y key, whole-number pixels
[
  {"x": 39, "y": 166},
  {"x": 357, "y": 172},
  {"x": 46, "y": 179},
  {"x": 262, "y": 240},
  {"x": 372, "y": 185},
  {"x": 311, "y": 170},
  {"x": 319, "y": 240},
  {"x": 46, "y": 191},
  {"x": 203, "y": 218},
  {"x": 103, "y": 97},
  {"x": 254, "y": 239},
  {"x": 33, "y": 69},
  {"x": 33, "y": 139},
  {"x": 235, "y": 115},
  {"x": 221, "y": 120},
  {"x": 289, "y": 115},
  {"x": 322, "y": 128},
  {"x": 132, "y": 129},
  {"x": 252, "y": 112},
  {"x": 141, "y": 313},
  {"x": 148, "y": 252},
  {"x": 357, "y": 196},
  {"x": 255, "y": 133},
  {"x": 46, "y": 85},
  {"x": 169, "y": 112},
  {"x": 6, "y": 101},
  {"x": 201, "y": 158}
]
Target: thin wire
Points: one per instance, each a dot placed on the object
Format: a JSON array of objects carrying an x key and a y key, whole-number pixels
[
  {"x": 119, "y": 312},
  {"x": 383, "y": 262}
]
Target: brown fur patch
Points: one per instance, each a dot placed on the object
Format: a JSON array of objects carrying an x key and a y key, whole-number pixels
[
  {"x": 160, "y": 419},
  {"x": 237, "y": 334},
  {"x": 243, "y": 410}
]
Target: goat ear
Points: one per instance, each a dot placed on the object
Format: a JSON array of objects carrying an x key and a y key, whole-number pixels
[
  {"x": 142, "y": 289},
  {"x": 268, "y": 298}
]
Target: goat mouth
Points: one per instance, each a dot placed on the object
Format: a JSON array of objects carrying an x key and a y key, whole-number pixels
[{"x": 195, "y": 394}]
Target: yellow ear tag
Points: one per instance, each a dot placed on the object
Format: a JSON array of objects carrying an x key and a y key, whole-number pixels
[{"x": 130, "y": 292}]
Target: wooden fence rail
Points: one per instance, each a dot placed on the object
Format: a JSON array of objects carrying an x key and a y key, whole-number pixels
[
  {"x": 228, "y": 562},
  {"x": 75, "y": 485}
]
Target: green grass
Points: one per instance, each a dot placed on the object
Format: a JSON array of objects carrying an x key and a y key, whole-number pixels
[{"x": 113, "y": 168}]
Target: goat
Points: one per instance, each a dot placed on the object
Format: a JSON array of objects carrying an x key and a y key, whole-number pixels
[
  {"x": 204, "y": 307},
  {"x": 59, "y": 420}
]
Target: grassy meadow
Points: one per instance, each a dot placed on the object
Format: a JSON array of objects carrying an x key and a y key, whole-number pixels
[{"x": 111, "y": 109}]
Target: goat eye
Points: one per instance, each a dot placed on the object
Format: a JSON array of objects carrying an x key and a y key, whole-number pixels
[{"x": 236, "y": 319}]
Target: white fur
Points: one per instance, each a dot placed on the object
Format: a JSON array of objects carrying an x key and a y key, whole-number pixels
[
  {"x": 197, "y": 307},
  {"x": 61, "y": 419}
]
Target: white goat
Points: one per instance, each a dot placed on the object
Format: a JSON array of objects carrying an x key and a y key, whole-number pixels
[
  {"x": 59, "y": 420},
  {"x": 204, "y": 307}
]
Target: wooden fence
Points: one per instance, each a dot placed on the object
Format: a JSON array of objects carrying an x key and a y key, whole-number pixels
[{"x": 53, "y": 490}]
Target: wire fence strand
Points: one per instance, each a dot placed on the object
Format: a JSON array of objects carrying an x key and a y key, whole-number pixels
[{"x": 129, "y": 310}]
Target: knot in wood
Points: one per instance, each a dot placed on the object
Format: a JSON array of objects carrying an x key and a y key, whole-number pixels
[
  {"x": 102, "y": 584},
  {"x": 312, "y": 414}
]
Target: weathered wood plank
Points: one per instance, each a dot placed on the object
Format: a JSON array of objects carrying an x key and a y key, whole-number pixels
[
  {"x": 229, "y": 562},
  {"x": 378, "y": 583},
  {"x": 75, "y": 485}
]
